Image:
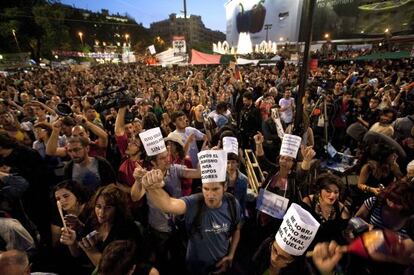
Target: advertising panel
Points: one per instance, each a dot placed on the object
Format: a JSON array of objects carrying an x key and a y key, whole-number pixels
[{"x": 275, "y": 20}]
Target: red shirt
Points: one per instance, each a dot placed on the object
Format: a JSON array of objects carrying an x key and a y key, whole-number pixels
[{"x": 186, "y": 184}]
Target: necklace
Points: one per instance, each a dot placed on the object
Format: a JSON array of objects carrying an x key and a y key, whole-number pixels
[{"x": 320, "y": 212}]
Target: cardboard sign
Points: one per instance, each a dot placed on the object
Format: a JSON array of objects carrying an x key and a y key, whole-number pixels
[
  {"x": 276, "y": 118},
  {"x": 271, "y": 204},
  {"x": 213, "y": 165},
  {"x": 290, "y": 145},
  {"x": 231, "y": 145},
  {"x": 297, "y": 230},
  {"x": 152, "y": 49},
  {"x": 153, "y": 141}
]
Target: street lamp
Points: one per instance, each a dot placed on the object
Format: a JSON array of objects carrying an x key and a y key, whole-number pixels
[
  {"x": 326, "y": 35},
  {"x": 15, "y": 39},
  {"x": 81, "y": 37}
]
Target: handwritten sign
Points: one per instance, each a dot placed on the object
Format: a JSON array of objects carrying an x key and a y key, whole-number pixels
[
  {"x": 231, "y": 145},
  {"x": 297, "y": 231},
  {"x": 153, "y": 141},
  {"x": 290, "y": 145},
  {"x": 213, "y": 165}
]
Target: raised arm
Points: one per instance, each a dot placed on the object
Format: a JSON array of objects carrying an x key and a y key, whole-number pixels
[
  {"x": 101, "y": 133},
  {"x": 153, "y": 181},
  {"x": 120, "y": 122},
  {"x": 52, "y": 144},
  {"x": 137, "y": 191}
]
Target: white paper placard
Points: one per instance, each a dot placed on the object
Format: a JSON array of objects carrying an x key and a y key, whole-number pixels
[
  {"x": 271, "y": 204},
  {"x": 213, "y": 165},
  {"x": 152, "y": 49},
  {"x": 276, "y": 118},
  {"x": 153, "y": 141},
  {"x": 297, "y": 230},
  {"x": 290, "y": 145},
  {"x": 231, "y": 145}
]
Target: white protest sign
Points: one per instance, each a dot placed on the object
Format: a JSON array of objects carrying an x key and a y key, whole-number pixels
[
  {"x": 231, "y": 145},
  {"x": 213, "y": 165},
  {"x": 271, "y": 204},
  {"x": 276, "y": 118},
  {"x": 297, "y": 230},
  {"x": 290, "y": 145},
  {"x": 152, "y": 49},
  {"x": 153, "y": 141}
]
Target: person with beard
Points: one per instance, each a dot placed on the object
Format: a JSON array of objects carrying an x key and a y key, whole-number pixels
[
  {"x": 249, "y": 121},
  {"x": 91, "y": 172}
]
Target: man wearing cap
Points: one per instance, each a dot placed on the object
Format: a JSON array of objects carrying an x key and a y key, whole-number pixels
[{"x": 212, "y": 246}]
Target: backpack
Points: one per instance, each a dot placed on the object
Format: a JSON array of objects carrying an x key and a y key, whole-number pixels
[{"x": 201, "y": 208}]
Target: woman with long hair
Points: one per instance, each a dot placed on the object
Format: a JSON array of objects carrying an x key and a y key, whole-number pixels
[{"x": 109, "y": 221}]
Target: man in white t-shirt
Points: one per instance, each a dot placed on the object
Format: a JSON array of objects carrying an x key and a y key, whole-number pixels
[
  {"x": 180, "y": 121},
  {"x": 287, "y": 107}
]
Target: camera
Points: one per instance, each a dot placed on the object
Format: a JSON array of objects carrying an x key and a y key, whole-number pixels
[{"x": 118, "y": 98}]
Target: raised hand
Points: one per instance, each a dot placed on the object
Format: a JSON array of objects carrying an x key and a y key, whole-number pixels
[
  {"x": 139, "y": 172},
  {"x": 307, "y": 152},
  {"x": 154, "y": 179},
  {"x": 327, "y": 255},
  {"x": 258, "y": 138}
]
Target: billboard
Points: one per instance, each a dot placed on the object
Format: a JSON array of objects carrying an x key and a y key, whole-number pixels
[
  {"x": 279, "y": 20},
  {"x": 362, "y": 18},
  {"x": 275, "y": 20}
]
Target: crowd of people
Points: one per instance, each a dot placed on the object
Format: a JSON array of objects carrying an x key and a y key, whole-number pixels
[{"x": 82, "y": 191}]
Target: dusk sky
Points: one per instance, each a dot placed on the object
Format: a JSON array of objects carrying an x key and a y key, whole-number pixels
[{"x": 212, "y": 11}]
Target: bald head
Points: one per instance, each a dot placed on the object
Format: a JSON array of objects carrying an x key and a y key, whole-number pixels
[{"x": 14, "y": 262}]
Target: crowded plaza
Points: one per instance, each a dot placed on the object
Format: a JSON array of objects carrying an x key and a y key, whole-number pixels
[{"x": 197, "y": 169}]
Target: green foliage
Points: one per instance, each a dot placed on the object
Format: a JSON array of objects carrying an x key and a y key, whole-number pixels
[{"x": 43, "y": 26}]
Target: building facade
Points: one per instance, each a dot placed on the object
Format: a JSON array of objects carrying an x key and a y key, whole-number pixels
[{"x": 192, "y": 29}]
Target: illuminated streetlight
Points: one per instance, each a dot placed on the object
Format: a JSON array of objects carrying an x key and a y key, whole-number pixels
[
  {"x": 15, "y": 39},
  {"x": 326, "y": 35},
  {"x": 81, "y": 37}
]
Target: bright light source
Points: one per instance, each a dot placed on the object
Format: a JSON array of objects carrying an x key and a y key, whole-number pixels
[
  {"x": 1, "y": 57},
  {"x": 380, "y": 44},
  {"x": 362, "y": 31},
  {"x": 326, "y": 35},
  {"x": 56, "y": 56},
  {"x": 281, "y": 39},
  {"x": 386, "y": 30}
]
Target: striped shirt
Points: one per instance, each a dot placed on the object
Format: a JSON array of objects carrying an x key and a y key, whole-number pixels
[{"x": 375, "y": 207}]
